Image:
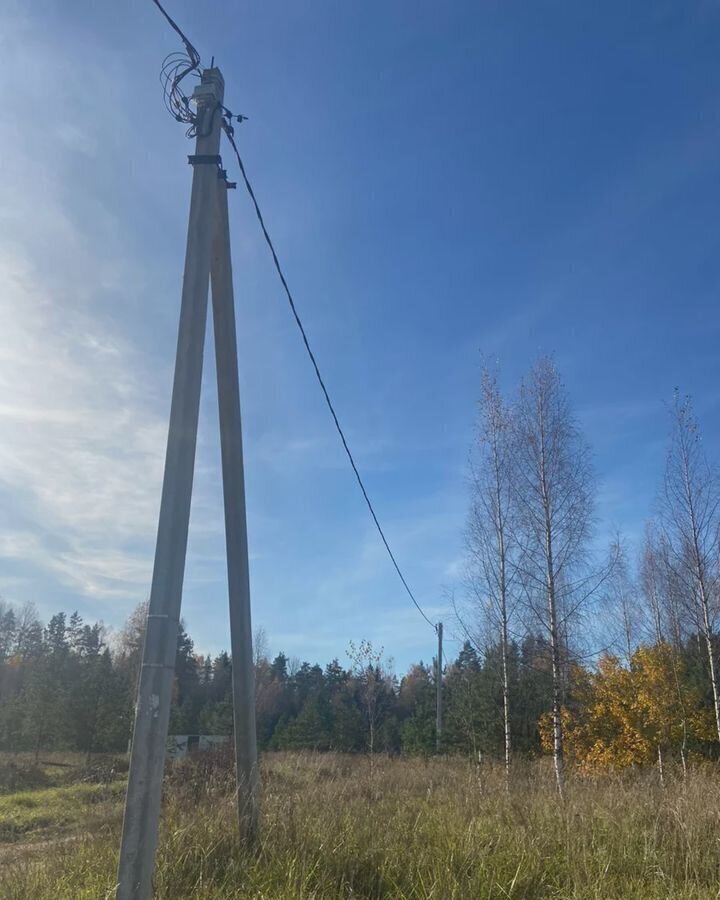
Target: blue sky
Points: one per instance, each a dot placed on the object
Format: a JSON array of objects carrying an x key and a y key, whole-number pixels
[{"x": 442, "y": 181}]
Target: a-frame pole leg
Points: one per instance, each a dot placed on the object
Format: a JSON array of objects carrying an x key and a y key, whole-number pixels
[
  {"x": 152, "y": 712},
  {"x": 243, "y": 671}
]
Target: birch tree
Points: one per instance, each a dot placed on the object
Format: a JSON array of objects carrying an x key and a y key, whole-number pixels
[
  {"x": 651, "y": 583},
  {"x": 621, "y": 601},
  {"x": 552, "y": 492},
  {"x": 662, "y": 590},
  {"x": 690, "y": 508},
  {"x": 491, "y": 541},
  {"x": 372, "y": 676},
  {"x": 662, "y": 595}
]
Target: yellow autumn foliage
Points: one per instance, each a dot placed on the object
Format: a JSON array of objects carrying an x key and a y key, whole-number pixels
[{"x": 622, "y": 716}]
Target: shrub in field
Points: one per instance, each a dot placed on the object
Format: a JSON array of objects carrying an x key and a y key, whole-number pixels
[
  {"x": 18, "y": 777},
  {"x": 635, "y": 715}
]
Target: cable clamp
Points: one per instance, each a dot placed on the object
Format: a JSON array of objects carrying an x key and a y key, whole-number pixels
[
  {"x": 210, "y": 160},
  {"x": 230, "y": 185}
]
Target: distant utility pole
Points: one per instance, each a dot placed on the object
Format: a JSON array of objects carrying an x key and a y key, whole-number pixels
[
  {"x": 438, "y": 688},
  {"x": 207, "y": 254}
]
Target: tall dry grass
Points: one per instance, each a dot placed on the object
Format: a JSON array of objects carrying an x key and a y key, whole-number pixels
[{"x": 409, "y": 828}]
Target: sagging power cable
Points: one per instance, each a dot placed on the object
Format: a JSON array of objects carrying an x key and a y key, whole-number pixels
[
  {"x": 321, "y": 382},
  {"x": 176, "y": 67}
]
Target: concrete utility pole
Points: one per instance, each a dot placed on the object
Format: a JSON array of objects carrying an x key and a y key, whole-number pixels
[
  {"x": 438, "y": 688},
  {"x": 207, "y": 247},
  {"x": 243, "y": 667}
]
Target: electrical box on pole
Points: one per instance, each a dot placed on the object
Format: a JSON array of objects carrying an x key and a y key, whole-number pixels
[{"x": 207, "y": 254}]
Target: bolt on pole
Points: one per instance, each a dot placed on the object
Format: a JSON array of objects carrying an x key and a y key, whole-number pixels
[
  {"x": 152, "y": 712},
  {"x": 438, "y": 688}
]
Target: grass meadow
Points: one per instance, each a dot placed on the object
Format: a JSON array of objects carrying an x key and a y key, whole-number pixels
[{"x": 403, "y": 829}]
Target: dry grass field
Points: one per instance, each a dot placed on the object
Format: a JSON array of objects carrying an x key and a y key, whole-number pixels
[{"x": 405, "y": 829}]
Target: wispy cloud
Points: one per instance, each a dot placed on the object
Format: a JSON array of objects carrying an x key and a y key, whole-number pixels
[
  {"x": 80, "y": 445},
  {"x": 81, "y": 429}
]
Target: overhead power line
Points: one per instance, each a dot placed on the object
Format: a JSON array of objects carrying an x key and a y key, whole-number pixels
[
  {"x": 321, "y": 382},
  {"x": 174, "y": 71},
  {"x": 177, "y": 66},
  {"x": 192, "y": 52}
]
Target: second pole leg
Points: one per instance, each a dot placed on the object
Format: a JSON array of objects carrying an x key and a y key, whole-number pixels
[{"x": 243, "y": 667}]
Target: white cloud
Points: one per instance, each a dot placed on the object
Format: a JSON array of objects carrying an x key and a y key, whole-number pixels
[
  {"x": 81, "y": 446},
  {"x": 82, "y": 433}
]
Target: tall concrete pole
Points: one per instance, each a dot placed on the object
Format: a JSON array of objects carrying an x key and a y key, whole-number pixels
[
  {"x": 243, "y": 669},
  {"x": 142, "y": 804},
  {"x": 438, "y": 688}
]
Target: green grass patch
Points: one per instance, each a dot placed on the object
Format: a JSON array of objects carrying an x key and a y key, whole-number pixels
[
  {"x": 60, "y": 808},
  {"x": 335, "y": 829},
  {"x": 25, "y": 771}
]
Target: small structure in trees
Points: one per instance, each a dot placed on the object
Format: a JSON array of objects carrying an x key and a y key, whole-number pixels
[{"x": 181, "y": 745}]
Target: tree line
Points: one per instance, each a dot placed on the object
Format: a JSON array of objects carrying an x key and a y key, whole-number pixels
[
  {"x": 68, "y": 685},
  {"x": 584, "y": 655}
]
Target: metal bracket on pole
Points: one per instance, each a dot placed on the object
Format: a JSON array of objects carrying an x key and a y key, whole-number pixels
[
  {"x": 209, "y": 160},
  {"x": 205, "y": 159}
]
